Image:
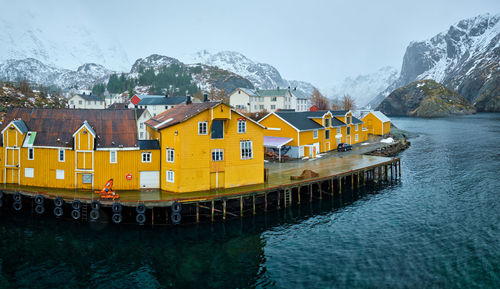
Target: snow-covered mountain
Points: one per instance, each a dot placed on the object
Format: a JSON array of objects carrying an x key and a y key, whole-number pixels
[
  {"x": 64, "y": 41},
  {"x": 262, "y": 75},
  {"x": 465, "y": 58},
  {"x": 35, "y": 71},
  {"x": 365, "y": 87}
]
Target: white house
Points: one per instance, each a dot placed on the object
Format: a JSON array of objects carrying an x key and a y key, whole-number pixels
[
  {"x": 86, "y": 101},
  {"x": 156, "y": 104},
  {"x": 270, "y": 99}
]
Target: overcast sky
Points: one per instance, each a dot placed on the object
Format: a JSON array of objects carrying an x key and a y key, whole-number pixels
[{"x": 317, "y": 41}]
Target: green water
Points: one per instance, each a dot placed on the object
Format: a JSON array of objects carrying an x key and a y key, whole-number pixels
[{"x": 438, "y": 228}]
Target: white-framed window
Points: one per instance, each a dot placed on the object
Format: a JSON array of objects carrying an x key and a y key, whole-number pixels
[
  {"x": 31, "y": 154},
  {"x": 79, "y": 102},
  {"x": 59, "y": 174},
  {"x": 242, "y": 126},
  {"x": 146, "y": 157},
  {"x": 273, "y": 106},
  {"x": 202, "y": 128},
  {"x": 327, "y": 122},
  {"x": 61, "y": 155},
  {"x": 348, "y": 130},
  {"x": 29, "y": 172},
  {"x": 217, "y": 155},
  {"x": 327, "y": 134},
  {"x": 338, "y": 130},
  {"x": 273, "y": 98},
  {"x": 217, "y": 130},
  {"x": 348, "y": 120},
  {"x": 141, "y": 125},
  {"x": 356, "y": 137},
  {"x": 112, "y": 157},
  {"x": 356, "y": 127},
  {"x": 246, "y": 149},
  {"x": 315, "y": 133},
  {"x": 261, "y": 106},
  {"x": 142, "y": 134},
  {"x": 170, "y": 176},
  {"x": 170, "y": 155}
]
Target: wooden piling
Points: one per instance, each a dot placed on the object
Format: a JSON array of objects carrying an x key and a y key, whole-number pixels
[
  {"x": 152, "y": 216},
  {"x": 197, "y": 212},
  {"x": 399, "y": 167},
  {"x": 310, "y": 192},
  {"x": 352, "y": 181},
  {"x": 298, "y": 195},
  {"x": 320, "y": 191},
  {"x": 331, "y": 187},
  {"x": 279, "y": 197},
  {"x": 340, "y": 185},
  {"x": 213, "y": 210},
  {"x": 241, "y": 205},
  {"x": 265, "y": 202},
  {"x": 224, "y": 209},
  {"x": 253, "y": 200}
]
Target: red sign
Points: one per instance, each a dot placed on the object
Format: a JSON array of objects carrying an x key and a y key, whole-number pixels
[{"x": 128, "y": 177}]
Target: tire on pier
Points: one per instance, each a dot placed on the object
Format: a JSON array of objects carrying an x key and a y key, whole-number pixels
[
  {"x": 58, "y": 211},
  {"x": 140, "y": 209},
  {"x": 94, "y": 215},
  {"x": 176, "y": 218},
  {"x": 17, "y": 206},
  {"x": 39, "y": 199},
  {"x": 140, "y": 219},
  {"x": 176, "y": 207},
  {"x": 117, "y": 218},
  {"x": 75, "y": 214},
  {"x": 17, "y": 197},
  {"x": 95, "y": 205},
  {"x": 58, "y": 202},
  {"x": 76, "y": 205},
  {"x": 39, "y": 209},
  {"x": 117, "y": 207}
]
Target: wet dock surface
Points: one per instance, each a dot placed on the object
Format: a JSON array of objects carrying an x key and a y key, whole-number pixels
[{"x": 327, "y": 165}]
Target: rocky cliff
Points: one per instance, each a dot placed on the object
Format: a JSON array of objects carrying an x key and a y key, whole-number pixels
[{"x": 425, "y": 98}]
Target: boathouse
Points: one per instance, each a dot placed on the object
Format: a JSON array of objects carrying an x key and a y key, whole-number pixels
[
  {"x": 376, "y": 122},
  {"x": 206, "y": 146},
  {"x": 76, "y": 149}
]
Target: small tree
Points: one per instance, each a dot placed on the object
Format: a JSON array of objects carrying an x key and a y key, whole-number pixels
[
  {"x": 319, "y": 100},
  {"x": 348, "y": 102}
]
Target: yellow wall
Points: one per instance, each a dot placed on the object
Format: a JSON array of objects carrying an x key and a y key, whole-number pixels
[
  {"x": 193, "y": 166},
  {"x": 375, "y": 125}
]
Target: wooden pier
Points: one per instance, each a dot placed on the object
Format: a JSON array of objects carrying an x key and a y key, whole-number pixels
[{"x": 336, "y": 175}]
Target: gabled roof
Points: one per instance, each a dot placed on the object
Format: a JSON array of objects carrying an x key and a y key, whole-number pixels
[
  {"x": 299, "y": 94},
  {"x": 55, "y": 127},
  {"x": 299, "y": 120},
  {"x": 250, "y": 92},
  {"x": 171, "y": 100},
  {"x": 380, "y": 115},
  {"x": 19, "y": 123},
  {"x": 179, "y": 113},
  {"x": 355, "y": 120},
  {"x": 91, "y": 97},
  {"x": 273, "y": 92},
  {"x": 339, "y": 112}
]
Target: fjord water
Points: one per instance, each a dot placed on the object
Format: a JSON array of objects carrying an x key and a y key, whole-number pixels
[{"x": 439, "y": 227}]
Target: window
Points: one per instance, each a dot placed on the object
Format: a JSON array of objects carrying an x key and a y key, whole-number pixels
[
  {"x": 170, "y": 155},
  {"x": 31, "y": 153},
  {"x": 315, "y": 133},
  {"x": 348, "y": 130},
  {"x": 246, "y": 149},
  {"x": 202, "y": 127},
  {"x": 327, "y": 134},
  {"x": 327, "y": 122},
  {"x": 146, "y": 157},
  {"x": 112, "y": 157},
  {"x": 273, "y": 98},
  {"x": 141, "y": 125},
  {"x": 142, "y": 135},
  {"x": 338, "y": 130},
  {"x": 71, "y": 102},
  {"x": 348, "y": 120},
  {"x": 79, "y": 102},
  {"x": 242, "y": 126},
  {"x": 261, "y": 106},
  {"x": 170, "y": 176},
  {"x": 217, "y": 129},
  {"x": 61, "y": 155},
  {"x": 255, "y": 107},
  {"x": 87, "y": 179},
  {"x": 356, "y": 127},
  {"x": 217, "y": 155},
  {"x": 356, "y": 137},
  {"x": 59, "y": 174},
  {"x": 29, "y": 172},
  {"x": 273, "y": 106}
]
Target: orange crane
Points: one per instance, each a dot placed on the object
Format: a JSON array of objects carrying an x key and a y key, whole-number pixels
[{"x": 107, "y": 191}]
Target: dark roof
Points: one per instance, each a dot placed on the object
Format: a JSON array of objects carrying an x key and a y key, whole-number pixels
[
  {"x": 299, "y": 120},
  {"x": 336, "y": 122},
  {"x": 114, "y": 128},
  {"x": 356, "y": 120},
  {"x": 179, "y": 113},
  {"x": 21, "y": 125},
  {"x": 171, "y": 100},
  {"x": 149, "y": 144},
  {"x": 118, "y": 105},
  {"x": 91, "y": 97},
  {"x": 338, "y": 112}
]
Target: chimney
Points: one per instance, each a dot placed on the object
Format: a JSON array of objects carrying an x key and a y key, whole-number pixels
[
  {"x": 295, "y": 88},
  {"x": 188, "y": 99},
  {"x": 205, "y": 97},
  {"x": 166, "y": 95}
]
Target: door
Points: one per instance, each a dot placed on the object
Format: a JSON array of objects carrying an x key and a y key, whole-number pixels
[
  {"x": 307, "y": 151},
  {"x": 149, "y": 180},
  {"x": 12, "y": 155},
  {"x": 216, "y": 180},
  {"x": 327, "y": 146},
  {"x": 12, "y": 175},
  {"x": 316, "y": 149}
]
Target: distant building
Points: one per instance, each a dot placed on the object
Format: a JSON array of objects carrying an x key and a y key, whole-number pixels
[
  {"x": 155, "y": 104},
  {"x": 376, "y": 122},
  {"x": 111, "y": 99},
  {"x": 87, "y": 101},
  {"x": 252, "y": 100}
]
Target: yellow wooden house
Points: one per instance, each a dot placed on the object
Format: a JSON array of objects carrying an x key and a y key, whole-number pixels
[
  {"x": 206, "y": 146},
  {"x": 376, "y": 122},
  {"x": 76, "y": 149},
  {"x": 309, "y": 133}
]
